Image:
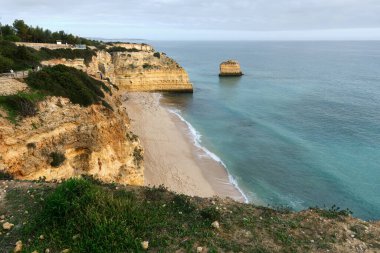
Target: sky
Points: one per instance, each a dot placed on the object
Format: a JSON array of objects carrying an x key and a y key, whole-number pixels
[{"x": 202, "y": 19}]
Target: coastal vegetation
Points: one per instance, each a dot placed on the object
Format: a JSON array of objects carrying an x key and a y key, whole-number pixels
[
  {"x": 122, "y": 49},
  {"x": 23, "y": 58},
  {"x": 20, "y": 31},
  {"x": 20, "y": 105},
  {"x": 59, "y": 80},
  {"x": 68, "y": 82},
  {"x": 84, "y": 215}
]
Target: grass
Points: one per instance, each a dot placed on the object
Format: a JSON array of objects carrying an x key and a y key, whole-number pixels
[
  {"x": 333, "y": 212},
  {"x": 21, "y": 104},
  {"x": 84, "y": 215},
  {"x": 112, "y": 221}
]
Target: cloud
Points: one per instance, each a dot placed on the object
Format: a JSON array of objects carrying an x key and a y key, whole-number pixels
[{"x": 118, "y": 17}]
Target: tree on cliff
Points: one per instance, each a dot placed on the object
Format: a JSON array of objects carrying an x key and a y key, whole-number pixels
[{"x": 21, "y": 29}]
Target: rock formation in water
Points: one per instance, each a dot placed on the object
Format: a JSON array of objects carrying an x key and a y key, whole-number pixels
[
  {"x": 230, "y": 68},
  {"x": 139, "y": 69}
]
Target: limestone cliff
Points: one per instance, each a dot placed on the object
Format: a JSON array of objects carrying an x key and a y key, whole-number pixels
[
  {"x": 137, "y": 46},
  {"x": 146, "y": 71},
  {"x": 230, "y": 68},
  {"x": 143, "y": 70},
  {"x": 93, "y": 141}
]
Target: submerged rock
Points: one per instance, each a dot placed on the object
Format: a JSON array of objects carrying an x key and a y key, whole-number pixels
[{"x": 230, "y": 68}]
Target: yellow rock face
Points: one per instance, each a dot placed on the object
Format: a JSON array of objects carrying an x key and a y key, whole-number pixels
[
  {"x": 141, "y": 47},
  {"x": 230, "y": 68},
  {"x": 142, "y": 71},
  {"x": 134, "y": 71},
  {"x": 93, "y": 140}
]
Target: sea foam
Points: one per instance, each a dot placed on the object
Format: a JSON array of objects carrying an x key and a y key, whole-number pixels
[{"x": 197, "y": 140}]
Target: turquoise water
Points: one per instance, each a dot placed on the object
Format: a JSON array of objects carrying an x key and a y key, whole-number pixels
[{"x": 300, "y": 129}]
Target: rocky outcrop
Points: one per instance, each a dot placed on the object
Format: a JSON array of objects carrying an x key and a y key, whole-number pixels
[
  {"x": 230, "y": 68},
  {"x": 147, "y": 71},
  {"x": 144, "y": 70},
  {"x": 65, "y": 140},
  {"x": 129, "y": 46},
  {"x": 38, "y": 46}
]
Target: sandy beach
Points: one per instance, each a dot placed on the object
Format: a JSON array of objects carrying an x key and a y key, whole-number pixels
[{"x": 170, "y": 156}]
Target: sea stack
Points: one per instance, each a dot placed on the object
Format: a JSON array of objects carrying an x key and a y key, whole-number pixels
[{"x": 230, "y": 68}]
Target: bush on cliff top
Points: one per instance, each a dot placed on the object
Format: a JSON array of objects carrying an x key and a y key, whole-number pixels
[
  {"x": 17, "y": 58},
  {"x": 85, "y": 54},
  {"x": 22, "y": 58},
  {"x": 121, "y": 49},
  {"x": 21, "y": 104},
  {"x": 68, "y": 82}
]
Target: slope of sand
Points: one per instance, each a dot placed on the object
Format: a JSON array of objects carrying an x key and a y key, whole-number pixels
[{"x": 171, "y": 158}]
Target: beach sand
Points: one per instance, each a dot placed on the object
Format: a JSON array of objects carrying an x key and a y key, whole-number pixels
[{"x": 170, "y": 156}]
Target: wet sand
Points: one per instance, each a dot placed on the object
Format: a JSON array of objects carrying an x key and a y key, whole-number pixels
[{"x": 170, "y": 156}]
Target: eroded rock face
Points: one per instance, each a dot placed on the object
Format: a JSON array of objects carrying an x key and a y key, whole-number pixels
[
  {"x": 141, "y": 47},
  {"x": 142, "y": 71},
  {"x": 134, "y": 71},
  {"x": 94, "y": 141},
  {"x": 230, "y": 68}
]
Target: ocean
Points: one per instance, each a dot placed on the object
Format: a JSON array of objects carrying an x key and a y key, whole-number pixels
[{"x": 300, "y": 129}]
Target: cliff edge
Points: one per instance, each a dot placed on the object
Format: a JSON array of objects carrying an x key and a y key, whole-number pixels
[
  {"x": 133, "y": 67},
  {"x": 65, "y": 124}
]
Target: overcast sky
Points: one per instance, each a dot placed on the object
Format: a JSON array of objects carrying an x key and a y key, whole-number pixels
[{"x": 202, "y": 19}]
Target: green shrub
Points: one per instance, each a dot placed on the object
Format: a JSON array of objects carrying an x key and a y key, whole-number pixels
[
  {"x": 121, "y": 49},
  {"x": 210, "y": 213},
  {"x": 183, "y": 203},
  {"x": 138, "y": 154},
  {"x": 68, "y": 82},
  {"x": 66, "y": 53},
  {"x": 17, "y": 57},
  {"x": 116, "y": 49},
  {"x": 147, "y": 66},
  {"x": 20, "y": 31},
  {"x": 21, "y": 104},
  {"x": 101, "y": 47},
  {"x": 58, "y": 159},
  {"x": 22, "y": 58},
  {"x": 107, "y": 105},
  {"x": 157, "y": 55},
  {"x": 333, "y": 212},
  {"x": 6, "y": 64},
  {"x": 5, "y": 175}
]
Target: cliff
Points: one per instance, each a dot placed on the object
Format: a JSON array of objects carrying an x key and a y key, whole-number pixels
[
  {"x": 146, "y": 71},
  {"x": 230, "y": 68},
  {"x": 131, "y": 46},
  {"x": 140, "y": 70},
  {"x": 65, "y": 140}
]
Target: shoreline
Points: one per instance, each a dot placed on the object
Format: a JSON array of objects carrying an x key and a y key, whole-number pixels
[{"x": 172, "y": 155}]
